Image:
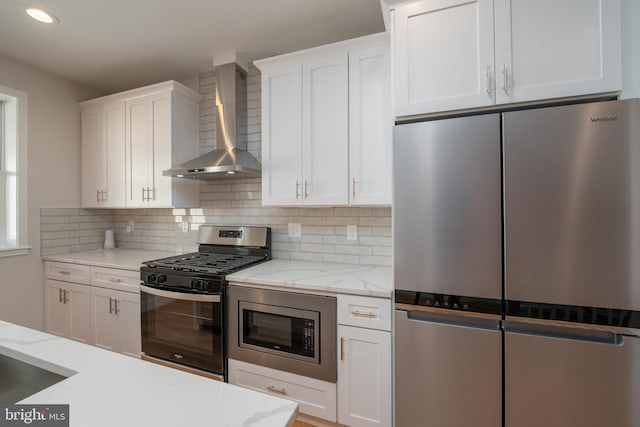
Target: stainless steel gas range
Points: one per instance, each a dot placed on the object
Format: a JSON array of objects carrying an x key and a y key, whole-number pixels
[{"x": 183, "y": 297}]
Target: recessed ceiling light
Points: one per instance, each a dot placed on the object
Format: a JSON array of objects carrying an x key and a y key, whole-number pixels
[{"x": 41, "y": 15}]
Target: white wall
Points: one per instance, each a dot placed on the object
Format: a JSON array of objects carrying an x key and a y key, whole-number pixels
[{"x": 54, "y": 178}]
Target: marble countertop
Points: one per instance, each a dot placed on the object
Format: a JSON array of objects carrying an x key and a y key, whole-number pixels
[
  {"x": 108, "y": 389},
  {"x": 367, "y": 280},
  {"x": 127, "y": 259}
]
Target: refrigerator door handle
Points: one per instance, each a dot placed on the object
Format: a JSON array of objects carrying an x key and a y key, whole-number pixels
[
  {"x": 450, "y": 317},
  {"x": 564, "y": 330}
]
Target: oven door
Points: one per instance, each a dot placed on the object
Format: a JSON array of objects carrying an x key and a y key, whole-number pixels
[{"x": 183, "y": 328}]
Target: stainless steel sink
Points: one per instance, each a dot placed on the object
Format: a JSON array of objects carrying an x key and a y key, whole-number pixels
[{"x": 20, "y": 379}]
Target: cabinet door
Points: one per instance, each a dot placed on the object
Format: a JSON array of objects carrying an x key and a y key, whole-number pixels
[
  {"x": 364, "y": 377},
  {"x": 556, "y": 48},
  {"x": 106, "y": 324},
  {"x": 78, "y": 300},
  {"x": 325, "y": 132},
  {"x": 67, "y": 310},
  {"x": 138, "y": 152},
  {"x": 443, "y": 52},
  {"x": 282, "y": 134},
  {"x": 93, "y": 153},
  {"x": 128, "y": 310},
  {"x": 115, "y": 155},
  {"x": 160, "y": 149},
  {"x": 370, "y": 126},
  {"x": 56, "y": 312}
]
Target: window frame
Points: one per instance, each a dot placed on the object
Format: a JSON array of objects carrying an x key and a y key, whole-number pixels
[{"x": 14, "y": 116}]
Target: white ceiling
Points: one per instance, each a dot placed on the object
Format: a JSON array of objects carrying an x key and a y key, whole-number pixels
[{"x": 114, "y": 45}]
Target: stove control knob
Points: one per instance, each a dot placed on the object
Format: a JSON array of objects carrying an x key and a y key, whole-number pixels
[
  {"x": 152, "y": 278},
  {"x": 162, "y": 278},
  {"x": 206, "y": 284},
  {"x": 195, "y": 283}
]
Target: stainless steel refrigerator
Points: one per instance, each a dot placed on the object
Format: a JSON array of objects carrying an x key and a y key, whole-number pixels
[{"x": 517, "y": 268}]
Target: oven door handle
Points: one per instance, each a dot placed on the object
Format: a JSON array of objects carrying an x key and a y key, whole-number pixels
[{"x": 180, "y": 295}]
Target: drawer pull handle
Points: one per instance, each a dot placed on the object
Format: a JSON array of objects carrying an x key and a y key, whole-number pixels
[
  {"x": 64, "y": 272},
  {"x": 366, "y": 314},
  {"x": 276, "y": 389},
  {"x": 341, "y": 348},
  {"x": 115, "y": 280}
]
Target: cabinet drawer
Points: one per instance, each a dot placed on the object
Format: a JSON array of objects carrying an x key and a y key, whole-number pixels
[
  {"x": 112, "y": 278},
  {"x": 315, "y": 397},
  {"x": 67, "y": 272},
  {"x": 364, "y": 312}
]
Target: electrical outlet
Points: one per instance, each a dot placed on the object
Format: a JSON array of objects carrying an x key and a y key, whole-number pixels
[
  {"x": 295, "y": 229},
  {"x": 130, "y": 227},
  {"x": 352, "y": 232},
  {"x": 185, "y": 226}
]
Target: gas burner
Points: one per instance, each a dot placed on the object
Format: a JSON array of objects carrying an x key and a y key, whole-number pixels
[{"x": 205, "y": 262}]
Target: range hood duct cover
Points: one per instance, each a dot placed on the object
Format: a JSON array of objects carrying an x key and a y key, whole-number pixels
[{"x": 230, "y": 159}]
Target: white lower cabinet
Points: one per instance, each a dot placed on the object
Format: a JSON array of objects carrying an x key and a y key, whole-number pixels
[
  {"x": 93, "y": 305},
  {"x": 315, "y": 397},
  {"x": 67, "y": 310},
  {"x": 116, "y": 320},
  {"x": 364, "y": 361},
  {"x": 364, "y": 377},
  {"x": 362, "y": 396}
]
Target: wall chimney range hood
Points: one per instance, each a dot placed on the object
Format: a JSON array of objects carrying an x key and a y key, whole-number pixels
[{"x": 230, "y": 159}]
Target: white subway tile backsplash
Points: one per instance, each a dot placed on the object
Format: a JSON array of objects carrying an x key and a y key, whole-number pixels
[{"x": 236, "y": 202}]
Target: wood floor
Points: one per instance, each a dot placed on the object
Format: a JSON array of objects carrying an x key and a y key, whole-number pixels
[{"x": 301, "y": 424}]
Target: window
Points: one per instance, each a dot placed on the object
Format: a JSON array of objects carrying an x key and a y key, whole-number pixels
[{"x": 13, "y": 172}]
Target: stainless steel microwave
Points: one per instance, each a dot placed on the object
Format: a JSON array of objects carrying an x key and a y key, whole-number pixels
[{"x": 289, "y": 331}]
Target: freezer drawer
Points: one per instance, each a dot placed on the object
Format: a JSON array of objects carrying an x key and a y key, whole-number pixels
[
  {"x": 553, "y": 381},
  {"x": 447, "y": 374}
]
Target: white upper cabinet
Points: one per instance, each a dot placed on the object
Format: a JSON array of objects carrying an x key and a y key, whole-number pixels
[
  {"x": 551, "y": 49},
  {"x": 443, "y": 55},
  {"x": 326, "y": 125},
  {"x": 458, "y": 54},
  {"x": 325, "y": 130},
  {"x": 132, "y": 138},
  {"x": 102, "y": 151},
  {"x": 282, "y": 134},
  {"x": 370, "y": 125}
]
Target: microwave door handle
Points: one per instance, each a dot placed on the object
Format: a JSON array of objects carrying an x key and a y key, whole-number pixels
[{"x": 180, "y": 295}]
